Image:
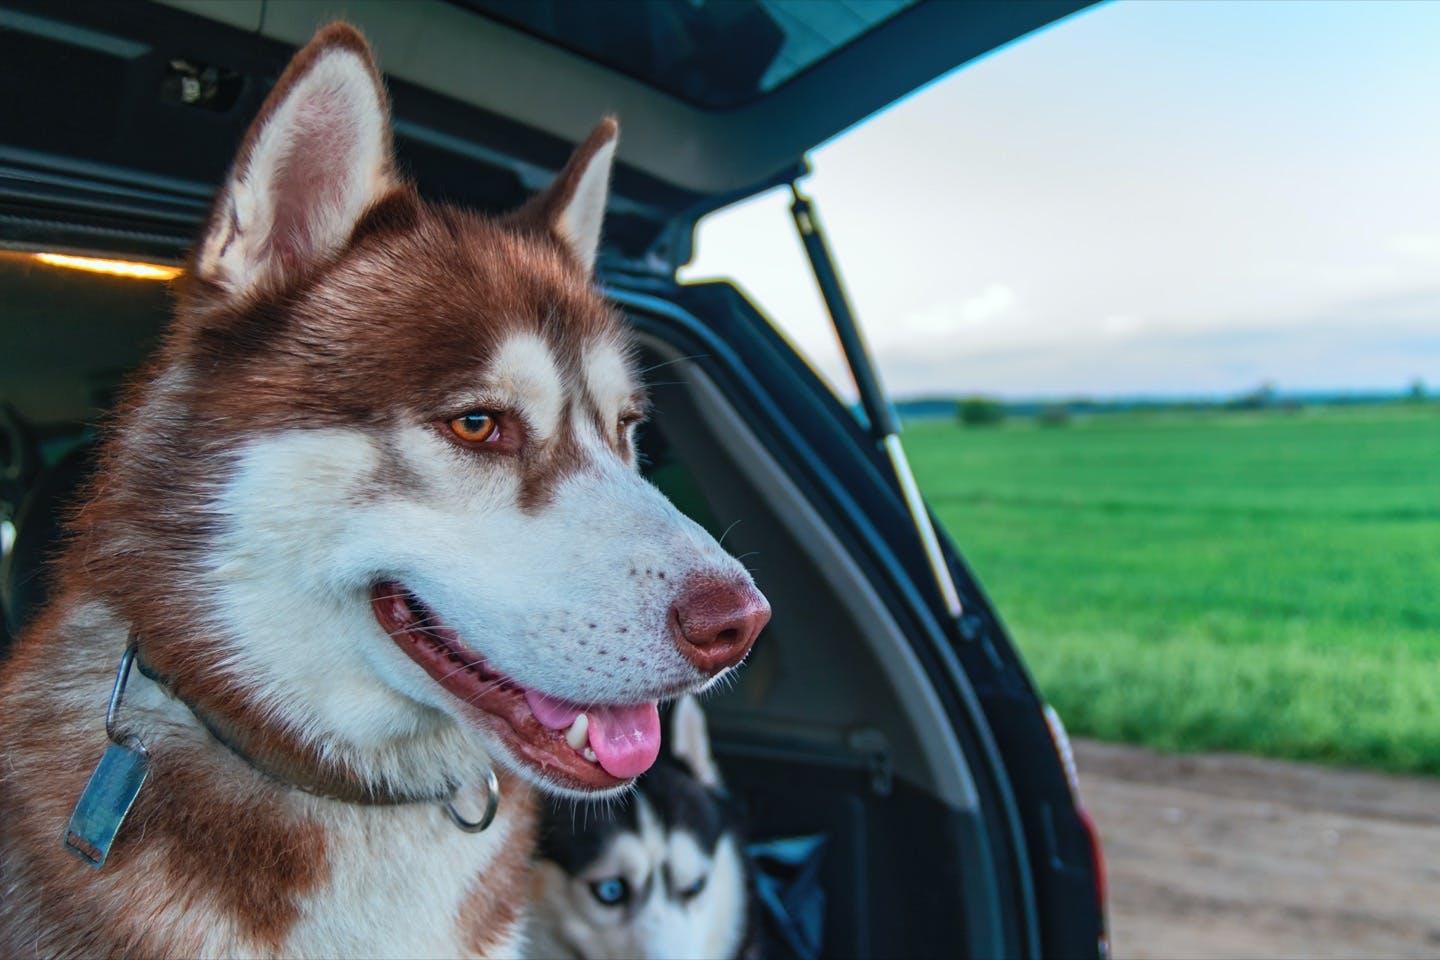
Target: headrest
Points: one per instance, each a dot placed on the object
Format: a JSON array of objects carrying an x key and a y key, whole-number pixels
[
  {"x": 26, "y": 579},
  {"x": 19, "y": 456}
]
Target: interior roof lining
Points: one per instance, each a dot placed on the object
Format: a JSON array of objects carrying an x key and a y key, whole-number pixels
[{"x": 451, "y": 51}]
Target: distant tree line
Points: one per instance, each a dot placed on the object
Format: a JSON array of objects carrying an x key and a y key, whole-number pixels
[{"x": 978, "y": 410}]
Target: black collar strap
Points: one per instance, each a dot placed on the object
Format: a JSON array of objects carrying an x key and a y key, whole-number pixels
[{"x": 329, "y": 783}]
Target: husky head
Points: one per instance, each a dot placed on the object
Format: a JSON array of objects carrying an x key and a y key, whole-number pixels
[
  {"x": 375, "y": 512},
  {"x": 659, "y": 876}
]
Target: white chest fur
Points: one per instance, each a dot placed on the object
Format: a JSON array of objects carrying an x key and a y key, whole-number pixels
[{"x": 401, "y": 884}]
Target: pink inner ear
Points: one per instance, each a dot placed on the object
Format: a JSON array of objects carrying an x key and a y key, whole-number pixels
[{"x": 315, "y": 181}]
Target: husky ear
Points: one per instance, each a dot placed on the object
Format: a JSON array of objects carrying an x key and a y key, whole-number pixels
[
  {"x": 691, "y": 741},
  {"x": 315, "y": 159},
  {"x": 573, "y": 207}
]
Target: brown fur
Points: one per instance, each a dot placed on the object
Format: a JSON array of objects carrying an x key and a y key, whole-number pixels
[
  {"x": 271, "y": 857},
  {"x": 215, "y": 837},
  {"x": 493, "y": 905},
  {"x": 211, "y": 844}
]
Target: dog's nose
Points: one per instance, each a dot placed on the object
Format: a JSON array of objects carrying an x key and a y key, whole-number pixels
[{"x": 718, "y": 621}]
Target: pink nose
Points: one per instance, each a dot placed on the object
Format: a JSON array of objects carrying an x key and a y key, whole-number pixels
[{"x": 719, "y": 621}]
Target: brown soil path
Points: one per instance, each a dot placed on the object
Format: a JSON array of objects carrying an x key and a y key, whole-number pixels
[{"x": 1228, "y": 856}]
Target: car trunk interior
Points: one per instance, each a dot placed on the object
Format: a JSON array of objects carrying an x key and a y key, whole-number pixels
[{"x": 833, "y": 727}]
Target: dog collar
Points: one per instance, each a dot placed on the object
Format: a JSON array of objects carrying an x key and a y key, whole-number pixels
[
  {"x": 125, "y": 765},
  {"x": 329, "y": 783}
]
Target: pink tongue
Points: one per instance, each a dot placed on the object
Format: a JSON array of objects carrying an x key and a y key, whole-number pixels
[
  {"x": 626, "y": 740},
  {"x": 554, "y": 713}
]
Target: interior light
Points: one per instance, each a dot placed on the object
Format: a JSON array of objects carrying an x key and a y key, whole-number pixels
[{"x": 115, "y": 268}]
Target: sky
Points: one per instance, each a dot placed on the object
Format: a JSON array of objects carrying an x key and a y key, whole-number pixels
[{"x": 1152, "y": 197}]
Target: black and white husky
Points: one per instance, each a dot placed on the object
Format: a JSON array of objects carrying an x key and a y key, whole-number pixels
[{"x": 662, "y": 874}]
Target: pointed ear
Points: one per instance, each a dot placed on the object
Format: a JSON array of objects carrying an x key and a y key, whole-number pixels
[
  {"x": 691, "y": 741},
  {"x": 315, "y": 159},
  {"x": 573, "y": 207}
]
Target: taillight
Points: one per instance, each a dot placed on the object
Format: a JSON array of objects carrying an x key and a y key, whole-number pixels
[{"x": 1097, "y": 863}]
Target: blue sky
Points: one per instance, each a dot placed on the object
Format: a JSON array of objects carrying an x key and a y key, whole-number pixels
[{"x": 1151, "y": 197}]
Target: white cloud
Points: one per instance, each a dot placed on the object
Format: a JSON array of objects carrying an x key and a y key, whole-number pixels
[
  {"x": 985, "y": 308},
  {"x": 1421, "y": 246},
  {"x": 1121, "y": 325}
]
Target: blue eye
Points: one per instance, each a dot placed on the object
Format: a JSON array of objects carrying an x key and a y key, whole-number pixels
[{"x": 611, "y": 892}]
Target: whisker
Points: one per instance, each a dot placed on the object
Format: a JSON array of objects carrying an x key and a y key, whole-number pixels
[
  {"x": 489, "y": 686},
  {"x": 666, "y": 363},
  {"x": 466, "y": 666},
  {"x": 721, "y": 541}
]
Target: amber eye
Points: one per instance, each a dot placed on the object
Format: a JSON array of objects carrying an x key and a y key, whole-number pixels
[
  {"x": 627, "y": 421},
  {"x": 475, "y": 427}
]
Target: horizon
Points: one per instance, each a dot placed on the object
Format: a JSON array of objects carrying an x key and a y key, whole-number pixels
[
  {"x": 1280, "y": 393},
  {"x": 1162, "y": 198}
]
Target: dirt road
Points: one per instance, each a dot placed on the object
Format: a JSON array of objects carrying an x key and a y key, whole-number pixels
[{"x": 1224, "y": 856}]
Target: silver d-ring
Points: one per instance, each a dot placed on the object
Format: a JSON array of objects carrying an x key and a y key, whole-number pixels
[{"x": 492, "y": 804}]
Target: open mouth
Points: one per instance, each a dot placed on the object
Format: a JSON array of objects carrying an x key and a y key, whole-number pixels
[{"x": 592, "y": 747}]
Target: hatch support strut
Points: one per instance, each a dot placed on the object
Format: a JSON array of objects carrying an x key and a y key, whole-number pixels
[{"x": 884, "y": 425}]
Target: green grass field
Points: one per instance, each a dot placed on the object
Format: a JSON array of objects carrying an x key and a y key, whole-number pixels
[{"x": 1267, "y": 583}]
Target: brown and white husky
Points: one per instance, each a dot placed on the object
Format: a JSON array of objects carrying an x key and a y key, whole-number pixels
[{"x": 372, "y": 522}]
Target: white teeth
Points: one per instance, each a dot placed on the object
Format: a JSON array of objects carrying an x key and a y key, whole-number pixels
[
  {"x": 579, "y": 733},
  {"x": 588, "y": 754}
]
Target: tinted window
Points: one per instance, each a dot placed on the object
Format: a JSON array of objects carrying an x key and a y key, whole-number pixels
[{"x": 712, "y": 53}]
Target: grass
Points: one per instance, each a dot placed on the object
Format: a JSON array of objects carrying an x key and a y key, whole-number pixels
[{"x": 1268, "y": 583}]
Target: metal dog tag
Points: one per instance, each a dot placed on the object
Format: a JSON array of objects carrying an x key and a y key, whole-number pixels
[
  {"x": 107, "y": 798},
  {"x": 115, "y": 783}
]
